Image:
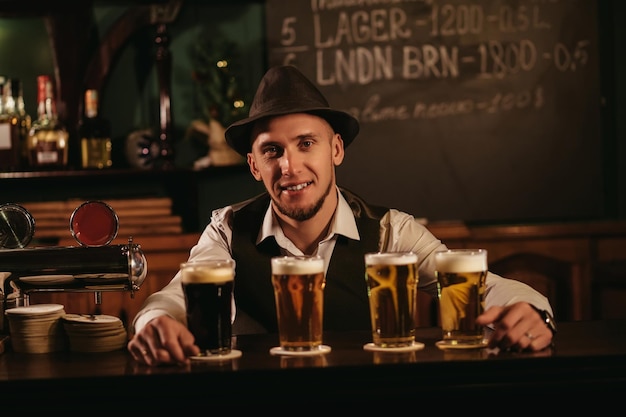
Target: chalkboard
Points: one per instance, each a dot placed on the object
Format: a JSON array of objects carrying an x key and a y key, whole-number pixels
[{"x": 481, "y": 111}]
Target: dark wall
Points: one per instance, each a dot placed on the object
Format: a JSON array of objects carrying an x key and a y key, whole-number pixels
[
  {"x": 481, "y": 111},
  {"x": 614, "y": 88},
  {"x": 575, "y": 188}
]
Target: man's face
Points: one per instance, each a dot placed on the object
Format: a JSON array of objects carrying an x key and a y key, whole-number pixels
[{"x": 295, "y": 156}]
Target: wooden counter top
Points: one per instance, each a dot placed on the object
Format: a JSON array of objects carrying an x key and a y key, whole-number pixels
[{"x": 589, "y": 359}]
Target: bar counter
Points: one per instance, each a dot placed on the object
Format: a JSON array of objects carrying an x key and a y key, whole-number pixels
[{"x": 587, "y": 363}]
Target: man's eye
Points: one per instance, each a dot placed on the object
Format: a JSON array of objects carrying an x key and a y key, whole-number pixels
[
  {"x": 307, "y": 143},
  {"x": 270, "y": 151}
]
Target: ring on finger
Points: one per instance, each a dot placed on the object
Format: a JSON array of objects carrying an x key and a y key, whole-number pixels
[{"x": 530, "y": 336}]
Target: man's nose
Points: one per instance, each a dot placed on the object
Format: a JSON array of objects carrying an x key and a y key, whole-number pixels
[{"x": 289, "y": 162}]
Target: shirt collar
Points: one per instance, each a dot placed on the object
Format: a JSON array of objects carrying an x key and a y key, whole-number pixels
[{"x": 343, "y": 223}]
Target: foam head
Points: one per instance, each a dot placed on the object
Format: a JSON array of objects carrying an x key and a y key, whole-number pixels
[
  {"x": 390, "y": 258},
  {"x": 208, "y": 272},
  {"x": 297, "y": 265},
  {"x": 461, "y": 260}
]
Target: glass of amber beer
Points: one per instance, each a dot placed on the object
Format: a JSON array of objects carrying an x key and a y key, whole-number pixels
[
  {"x": 392, "y": 279},
  {"x": 299, "y": 283},
  {"x": 461, "y": 282},
  {"x": 208, "y": 288}
]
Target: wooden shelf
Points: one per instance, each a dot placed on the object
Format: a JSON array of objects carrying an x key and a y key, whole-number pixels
[
  {"x": 181, "y": 186},
  {"x": 119, "y": 173}
]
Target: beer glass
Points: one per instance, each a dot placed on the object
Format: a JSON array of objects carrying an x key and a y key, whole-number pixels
[
  {"x": 299, "y": 283},
  {"x": 208, "y": 289},
  {"x": 461, "y": 276},
  {"x": 392, "y": 280}
]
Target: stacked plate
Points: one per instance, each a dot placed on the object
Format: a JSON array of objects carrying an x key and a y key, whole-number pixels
[
  {"x": 94, "y": 333},
  {"x": 37, "y": 328}
]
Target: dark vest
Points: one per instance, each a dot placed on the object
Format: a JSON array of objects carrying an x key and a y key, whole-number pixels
[{"x": 346, "y": 304}]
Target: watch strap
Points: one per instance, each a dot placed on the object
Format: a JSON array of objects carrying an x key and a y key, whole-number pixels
[{"x": 547, "y": 319}]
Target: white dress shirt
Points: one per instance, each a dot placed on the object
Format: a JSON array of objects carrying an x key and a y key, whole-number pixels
[{"x": 400, "y": 232}]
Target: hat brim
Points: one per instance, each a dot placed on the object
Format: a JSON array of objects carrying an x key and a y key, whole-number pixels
[{"x": 239, "y": 134}]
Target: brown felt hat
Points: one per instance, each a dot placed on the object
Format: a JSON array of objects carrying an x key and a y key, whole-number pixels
[{"x": 285, "y": 90}]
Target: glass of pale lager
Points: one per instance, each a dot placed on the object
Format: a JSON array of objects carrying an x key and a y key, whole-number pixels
[
  {"x": 461, "y": 276},
  {"x": 299, "y": 283},
  {"x": 208, "y": 288},
  {"x": 392, "y": 280}
]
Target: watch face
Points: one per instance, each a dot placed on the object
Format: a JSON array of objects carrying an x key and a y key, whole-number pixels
[
  {"x": 550, "y": 322},
  {"x": 547, "y": 317}
]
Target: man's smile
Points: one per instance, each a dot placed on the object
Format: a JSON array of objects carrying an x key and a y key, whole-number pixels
[{"x": 296, "y": 187}]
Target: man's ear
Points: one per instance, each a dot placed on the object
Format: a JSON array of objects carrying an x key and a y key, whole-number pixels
[
  {"x": 337, "y": 149},
  {"x": 253, "y": 168}
]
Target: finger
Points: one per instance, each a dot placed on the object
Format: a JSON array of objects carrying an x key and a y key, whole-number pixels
[
  {"x": 506, "y": 331},
  {"x": 176, "y": 344},
  {"x": 525, "y": 341},
  {"x": 533, "y": 338},
  {"x": 539, "y": 338},
  {"x": 141, "y": 348},
  {"x": 140, "y": 355},
  {"x": 145, "y": 356},
  {"x": 489, "y": 316}
]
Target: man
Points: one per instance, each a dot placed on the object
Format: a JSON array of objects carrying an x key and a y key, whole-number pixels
[{"x": 293, "y": 141}]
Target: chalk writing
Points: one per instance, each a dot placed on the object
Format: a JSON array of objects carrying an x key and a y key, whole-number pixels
[
  {"x": 374, "y": 110},
  {"x": 453, "y": 95}
]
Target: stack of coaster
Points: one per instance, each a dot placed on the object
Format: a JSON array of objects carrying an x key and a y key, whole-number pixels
[
  {"x": 37, "y": 328},
  {"x": 94, "y": 333}
]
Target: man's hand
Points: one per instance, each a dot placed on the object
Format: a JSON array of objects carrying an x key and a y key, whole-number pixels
[
  {"x": 516, "y": 327},
  {"x": 163, "y": 341}
]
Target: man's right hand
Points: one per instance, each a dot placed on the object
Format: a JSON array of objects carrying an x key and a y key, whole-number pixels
[{"x": 163, "y": 341}]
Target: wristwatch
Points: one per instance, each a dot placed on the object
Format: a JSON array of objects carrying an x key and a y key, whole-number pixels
[{"x": 547, "y": 319}]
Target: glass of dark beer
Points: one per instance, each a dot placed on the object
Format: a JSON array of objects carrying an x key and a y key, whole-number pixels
[
  {"x": 208, "y": 288},
  {"x": 299, "y": 294}
]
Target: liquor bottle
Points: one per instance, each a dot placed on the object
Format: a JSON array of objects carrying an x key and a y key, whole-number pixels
[
  {"x": 10, "y": 145},
  {"x": 24, "y": 121},
  {"x": 94, "y": 133},
  {"x": 47, "y": 137}
]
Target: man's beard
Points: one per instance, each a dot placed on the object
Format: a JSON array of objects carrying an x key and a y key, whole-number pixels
[{"x": 302, "y": 214}]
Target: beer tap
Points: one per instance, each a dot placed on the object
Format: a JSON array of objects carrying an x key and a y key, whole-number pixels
[{"x": 95, "y": 265}]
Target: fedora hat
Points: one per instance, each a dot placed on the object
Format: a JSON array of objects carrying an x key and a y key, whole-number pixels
[{"x": 285, "y": 90}]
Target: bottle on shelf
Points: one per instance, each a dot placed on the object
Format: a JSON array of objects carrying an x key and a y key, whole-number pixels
[
  {"x": 47, "y": 138},
  {"x": 24, "y": 121},
  {"x": 10, "y": 140},
  {"x": 94, "y": 133}
]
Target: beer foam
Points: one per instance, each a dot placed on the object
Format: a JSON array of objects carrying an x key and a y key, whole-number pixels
[
  {"x": 464, "y": 261},
  {"x": 288, "y": 265},
  {"x": 390, "y": 258},
  {"x": 199, "y": 274}
]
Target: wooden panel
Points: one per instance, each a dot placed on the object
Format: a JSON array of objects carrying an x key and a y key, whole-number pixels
[
  {"x": 609, "y": 283},
  {"x": 611, "y": 248},
  {"x": 556, "y": 279},
  {"x": 136, "y": 217},
  {"x": 609, "y": 302},
  {"x": 587, "y": 245},
  {"x": 573, "y": 250}
]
